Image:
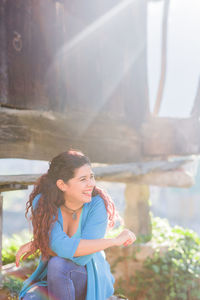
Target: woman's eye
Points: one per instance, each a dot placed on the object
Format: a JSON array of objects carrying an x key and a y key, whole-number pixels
[{"x": 84, "y": 179}]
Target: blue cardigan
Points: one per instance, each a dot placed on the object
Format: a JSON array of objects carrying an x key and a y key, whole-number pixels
[{"x": 93, "y": 226}]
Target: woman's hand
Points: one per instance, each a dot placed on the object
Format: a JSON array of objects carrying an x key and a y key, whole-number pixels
[
  {"x": 24, "y": 251},
  {"x": 126, "y": 237}
]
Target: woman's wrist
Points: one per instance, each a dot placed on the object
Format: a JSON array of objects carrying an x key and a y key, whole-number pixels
[{"x": 113, "y": 242}]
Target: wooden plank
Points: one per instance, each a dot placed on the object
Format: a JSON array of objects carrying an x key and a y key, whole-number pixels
[
  {"x": 23, "y": 180},
  {"x": 162, "y": 137},
  {"x": 160, "y": 173},
  {"x": 131, "y": 170},
  {"x": 3, "y": 56},
  {"x": 12, "y": 187},
  {"x": 42, "y": 135},
  {"x": 61, "y": 58},
  {"x": 30, "y": 51}
]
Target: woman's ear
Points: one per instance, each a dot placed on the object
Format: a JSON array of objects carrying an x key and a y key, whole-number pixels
[{"x": 61, "y": 185}]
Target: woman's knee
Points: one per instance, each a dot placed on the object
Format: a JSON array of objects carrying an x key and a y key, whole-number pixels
[
  {"x": 58, "y": 266},
  {"x": 36, "y": 293},
  {"x": 55, "y": 261},
  {"x": 55, "y": 265}
]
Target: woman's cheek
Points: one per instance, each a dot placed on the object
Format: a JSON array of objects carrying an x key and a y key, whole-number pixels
[{"x": 84, "y": 184}]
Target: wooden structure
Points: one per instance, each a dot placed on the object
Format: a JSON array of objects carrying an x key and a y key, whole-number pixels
[
  {"x": 67, "y": 59},
  {"x": 75, "y": 75},
  {"x": 161, "y": 173}
]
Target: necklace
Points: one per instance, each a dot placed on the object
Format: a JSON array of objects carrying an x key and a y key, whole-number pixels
[{"x": 74, "y": 211}]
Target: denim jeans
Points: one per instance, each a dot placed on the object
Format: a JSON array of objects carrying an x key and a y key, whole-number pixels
[{"x": 66, "y": 281}]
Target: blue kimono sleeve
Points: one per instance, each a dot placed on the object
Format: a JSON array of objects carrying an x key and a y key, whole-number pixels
[
  {"x": 61, "y": 243},
  {"x": 96, "y": 222},
  {"x": 94, "y": 228}
]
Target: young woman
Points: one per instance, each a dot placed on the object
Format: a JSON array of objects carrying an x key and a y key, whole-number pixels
[{"x": 70, "y": 216}]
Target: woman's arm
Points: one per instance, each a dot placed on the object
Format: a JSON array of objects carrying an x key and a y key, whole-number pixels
[
  {"x": 85, "y": 247},
  {"x": 24, "y": 251},
  {"x": 92, "y": 237},
  {"x": 92, "y": 240}
]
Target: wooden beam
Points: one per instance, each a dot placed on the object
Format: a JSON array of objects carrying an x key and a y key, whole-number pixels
[
  {"x": 105, "y": 139},
  {"x": 61, "y": 58},
  {"x": 161, "y": 173},
  {"x": 136, "y": 214},
  {"x": 42, "y": 135},
  {"x": 163, "y": 137},
  {"x": 12, "y": 187},
  {"x": 21, "y": 180},
  {"x": 3, "y": 56}
]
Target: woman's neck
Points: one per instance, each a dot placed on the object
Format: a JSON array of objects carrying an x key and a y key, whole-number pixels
[{"x": 73, "y": 204}]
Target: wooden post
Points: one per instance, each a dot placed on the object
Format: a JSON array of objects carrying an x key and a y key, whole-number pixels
[
  {"x": 1, "y": 230},
  {"x": 137, "y": 216}
]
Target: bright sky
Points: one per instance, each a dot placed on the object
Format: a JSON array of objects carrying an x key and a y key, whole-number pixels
[{"x": 183, "y": 55}]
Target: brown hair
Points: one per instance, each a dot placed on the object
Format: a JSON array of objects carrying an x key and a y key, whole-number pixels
[{"x": 44, "y": 215}]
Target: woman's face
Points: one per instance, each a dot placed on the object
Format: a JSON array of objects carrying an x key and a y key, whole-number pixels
[{"x": 80, "y": 187}]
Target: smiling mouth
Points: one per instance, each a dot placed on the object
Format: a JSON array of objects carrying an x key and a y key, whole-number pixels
[{"x": 89, "y": 194}]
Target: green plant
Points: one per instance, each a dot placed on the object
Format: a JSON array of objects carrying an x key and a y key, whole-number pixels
[
  {"x": 172, "y": 275},
  {"x": 11, "y": 246},
  {"x": 13, "y": 285}
]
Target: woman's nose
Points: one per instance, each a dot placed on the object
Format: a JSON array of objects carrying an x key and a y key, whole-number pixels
[{"x": 91, "y": 182}]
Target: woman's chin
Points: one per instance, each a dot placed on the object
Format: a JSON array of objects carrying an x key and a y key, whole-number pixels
[{"x": 87, "y": 199}]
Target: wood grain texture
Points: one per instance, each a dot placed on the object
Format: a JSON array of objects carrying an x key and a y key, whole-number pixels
[
  {"x": 161, "y": 173},
  {"x": 170, "y": 136},
  {"x": 42, "y": 135},
  {"x": 63, "y": 57}
]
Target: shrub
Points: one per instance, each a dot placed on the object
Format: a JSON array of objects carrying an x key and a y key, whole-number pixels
[
  {"x": 11, "y": 246},
  {"x": 13, "y": 285},
  {"x": 173, "y": 275}
]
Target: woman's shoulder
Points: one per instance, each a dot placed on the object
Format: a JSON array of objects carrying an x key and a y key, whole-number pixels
[
  {"x": 35, "y": 201},
  {"x": 97, "y": 202},
  {"x": 95, "y": 212}
]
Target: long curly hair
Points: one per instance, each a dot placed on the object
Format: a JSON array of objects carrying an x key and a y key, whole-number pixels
[{"x": 45, "y": 214}]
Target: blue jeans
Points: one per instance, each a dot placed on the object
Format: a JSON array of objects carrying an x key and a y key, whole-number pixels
[{"x": 66, "y": 281}]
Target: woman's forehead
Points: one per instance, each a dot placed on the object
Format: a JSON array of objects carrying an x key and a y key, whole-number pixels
[{"x": 83, "y": 170}]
